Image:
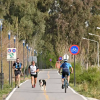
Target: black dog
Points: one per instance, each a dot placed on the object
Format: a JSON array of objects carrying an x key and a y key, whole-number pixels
[{"x": 42, "y": 84}]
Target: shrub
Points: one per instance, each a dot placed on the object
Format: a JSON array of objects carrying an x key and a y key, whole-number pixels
[{"x": 91, "y": 76}]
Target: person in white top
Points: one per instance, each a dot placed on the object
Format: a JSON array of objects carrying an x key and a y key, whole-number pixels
[{"x": 33, "y": 72}]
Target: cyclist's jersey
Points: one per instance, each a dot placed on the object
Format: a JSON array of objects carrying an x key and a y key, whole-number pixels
[{"x": 65, "y": 67}]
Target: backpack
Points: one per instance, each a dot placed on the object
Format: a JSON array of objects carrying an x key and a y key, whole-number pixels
[{"x": 16, "y": 66}]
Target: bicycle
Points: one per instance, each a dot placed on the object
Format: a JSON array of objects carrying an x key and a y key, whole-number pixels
[{"x": 66, "y": 82}]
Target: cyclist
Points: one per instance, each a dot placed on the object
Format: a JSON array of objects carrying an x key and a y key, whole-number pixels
[
  {"x": 17, "y": 66},
  {"x": 57, "y": 65},
  {"x": 65, "y": 71},
  {"x": 33, "y": 72}
]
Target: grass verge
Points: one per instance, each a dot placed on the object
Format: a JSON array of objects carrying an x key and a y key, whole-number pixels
[
  {"x": 7, "y": 88},
  {"x": 87, "y": 90}
]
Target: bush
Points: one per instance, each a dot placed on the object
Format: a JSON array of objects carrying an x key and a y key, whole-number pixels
[
  {"x": 91, "y": 76},
  {"x": 78, "y": 72},
  {"x": 87, "y": 81}
]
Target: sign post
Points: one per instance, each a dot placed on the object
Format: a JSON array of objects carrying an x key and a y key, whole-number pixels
[
  {"x": 11, "y": 56},
  {"x": 50, "y": 62},
  {"x": 32, "y": 58},
  {"x": 74, "y": 50}
]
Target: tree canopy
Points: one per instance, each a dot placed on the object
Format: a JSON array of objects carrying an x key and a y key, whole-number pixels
[{"x": 52, "y": 25}]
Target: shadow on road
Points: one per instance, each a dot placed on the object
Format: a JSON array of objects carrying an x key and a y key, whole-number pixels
[{"x": 38, "y": 91}]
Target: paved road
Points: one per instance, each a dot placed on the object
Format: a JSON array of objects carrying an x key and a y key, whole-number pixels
[{"x": 53, "y": 89}]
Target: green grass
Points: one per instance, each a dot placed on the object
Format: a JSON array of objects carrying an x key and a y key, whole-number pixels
[
  {"x": 87, "y": 81},
  {"x": 7, "y": 88},
  {"x": 86, "y": 90}
]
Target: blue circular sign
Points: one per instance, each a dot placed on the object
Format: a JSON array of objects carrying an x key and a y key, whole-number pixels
[
  {"x": 9, "y": 50},
  {"x": 60, "y": 58},
  {"x": 13, "y": 50},
  {"x": 50, "y": 59},
  {"x": 74, "y": 49}
]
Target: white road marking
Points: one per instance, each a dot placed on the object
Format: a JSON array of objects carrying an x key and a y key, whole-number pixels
[
  {"x": 15, "y": 89},
  {"x": 75, "y": 91},
  {"x": 78, "y": 93}
]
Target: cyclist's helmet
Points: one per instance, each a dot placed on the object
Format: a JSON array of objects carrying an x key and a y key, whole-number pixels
[{"x": 65, "y": 60}]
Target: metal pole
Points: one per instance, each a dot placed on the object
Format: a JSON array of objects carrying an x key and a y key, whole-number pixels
[
  {"x": 17, "y": 37},
  {"x": 27, "y": 61},
  {"x": 74, "y": 70},
  {"x": 97, "y": 48},
  {"x": 14, "y": 43},
  {"x": 1, "y": 57},
  {"x": 41, "y": 61},
  {"x": 9, "y": 66},
  {"x": 23, "y": 61},
  {"x": 29, "y": 54},
  {"x": 98, "y": 53},
  {"x": 11, "y": 74}
]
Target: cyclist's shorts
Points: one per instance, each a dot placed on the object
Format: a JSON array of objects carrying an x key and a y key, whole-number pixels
[{"x": 65, "y": 73}]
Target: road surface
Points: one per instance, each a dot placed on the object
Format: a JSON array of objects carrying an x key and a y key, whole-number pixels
[{"x": 53, "y": 89}]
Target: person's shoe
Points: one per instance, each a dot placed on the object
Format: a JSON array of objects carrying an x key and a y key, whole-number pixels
[
  {"x": 34, "y": 85},
  {"x": 62, "y": 86}
]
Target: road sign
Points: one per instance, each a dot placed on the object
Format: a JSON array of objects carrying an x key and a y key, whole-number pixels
[
  {"x": 50, "y": 60},
  {"x": 74, "y": 49},
  {"x": 14, "y": 50},
  {"x": 32, "y": 58},
  {"x": 60, "y": 58},
  {"x": 11, "y": 54}
]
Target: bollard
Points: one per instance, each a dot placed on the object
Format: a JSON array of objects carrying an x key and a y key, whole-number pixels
[{"x": 1, "y": 80}]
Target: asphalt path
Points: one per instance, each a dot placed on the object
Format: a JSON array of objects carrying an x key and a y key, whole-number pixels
[{"x": 53, "y": 89}]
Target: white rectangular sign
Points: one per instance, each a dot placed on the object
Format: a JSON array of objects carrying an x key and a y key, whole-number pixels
[
  {"x": 32, "y": 58},
  {"x": 11, "y": 54}
]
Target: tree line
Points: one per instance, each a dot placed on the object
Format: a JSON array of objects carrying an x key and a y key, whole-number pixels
[{"x": 52, "y": 26}]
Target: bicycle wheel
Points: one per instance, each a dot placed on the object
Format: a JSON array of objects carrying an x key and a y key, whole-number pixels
[
  {"x": 65, "y": 87},
  {"x": 65, "y": 83}
]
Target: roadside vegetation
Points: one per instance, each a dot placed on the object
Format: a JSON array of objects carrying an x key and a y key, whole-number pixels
[
  {"x": 50, "y": 27},
  {"x": 87, "y": 81},
  {"x": 8, "y": 88}
]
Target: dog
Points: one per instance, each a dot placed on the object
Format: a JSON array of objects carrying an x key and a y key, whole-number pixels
[{"x": 42, "y": 84}]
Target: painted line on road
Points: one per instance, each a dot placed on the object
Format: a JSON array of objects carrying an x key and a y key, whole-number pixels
[
  {"x": 15, "y": 89},
  {"x": 48, "y": 75},
  {"x": 46, "y": 96},
  {"x": 78, "y": 93},
  {"x": 75, "y": 91}
]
